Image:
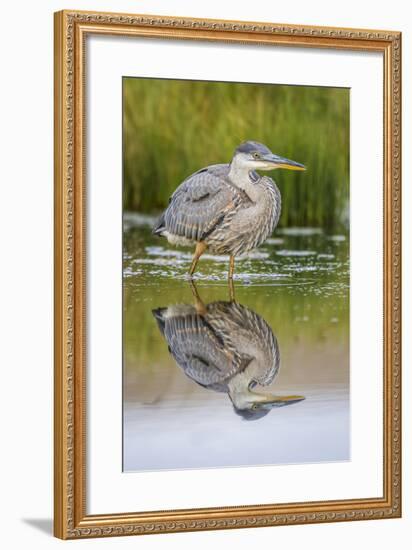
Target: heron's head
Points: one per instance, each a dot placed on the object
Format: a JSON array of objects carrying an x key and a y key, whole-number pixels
[
  {"x": 252, "y": 155},
  {"x": 252, "y": 405}
]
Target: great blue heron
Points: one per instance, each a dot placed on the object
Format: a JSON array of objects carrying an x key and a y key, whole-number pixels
[
  {"x": 226, "y": 208},
  {"x": 226, "y": 347}
]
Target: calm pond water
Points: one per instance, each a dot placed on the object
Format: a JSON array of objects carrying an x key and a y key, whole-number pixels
[{"x": 286, "y": 335}]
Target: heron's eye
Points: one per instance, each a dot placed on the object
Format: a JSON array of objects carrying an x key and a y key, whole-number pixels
[{"x": 256, "y": 155}]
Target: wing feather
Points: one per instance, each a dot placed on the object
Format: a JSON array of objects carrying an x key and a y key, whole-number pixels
[
  {"x": 201, "y": 352},
  {"x": 201, "y": 203}
]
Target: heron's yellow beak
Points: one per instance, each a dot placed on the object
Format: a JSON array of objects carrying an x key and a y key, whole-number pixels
[
  {"x": 291, "y": 166},
  {"x": 281, "y": 162}
]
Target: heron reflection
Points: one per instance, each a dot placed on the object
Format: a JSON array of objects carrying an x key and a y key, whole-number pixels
[{"x": 225, "y": 347}]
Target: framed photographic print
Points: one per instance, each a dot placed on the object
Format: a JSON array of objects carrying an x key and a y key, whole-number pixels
[{"x": 227, "y": 274}]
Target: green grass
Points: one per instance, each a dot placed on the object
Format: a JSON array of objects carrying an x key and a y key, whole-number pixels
[{"x": 172, "y": 128}]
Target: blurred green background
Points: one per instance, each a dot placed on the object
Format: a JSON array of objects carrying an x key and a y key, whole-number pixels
[{"x": 174, "y": 127}]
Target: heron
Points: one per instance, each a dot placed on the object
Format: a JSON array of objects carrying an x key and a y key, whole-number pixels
[
  {"x": 226, "y": 208},
  {"x": 226, "y": 347}
]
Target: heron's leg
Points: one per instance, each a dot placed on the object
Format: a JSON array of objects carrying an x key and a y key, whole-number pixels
[
  {"x": 231, "y": 267},
  {"x": 200, "y": 248}
]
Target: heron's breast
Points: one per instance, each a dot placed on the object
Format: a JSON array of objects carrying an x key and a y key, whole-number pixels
[{"x": 245, "y": 230}]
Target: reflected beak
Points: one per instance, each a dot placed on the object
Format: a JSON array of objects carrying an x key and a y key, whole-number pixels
[
  {"x": 275, "y": 161},
  {"x": 280, "y": 401},
  {"x": 256, "y": 401}
]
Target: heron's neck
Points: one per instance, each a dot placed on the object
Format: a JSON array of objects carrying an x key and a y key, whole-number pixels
[
  {"x": 245, "y": 178},
  {"x": 238, "y": 389},
  {"x": 240, "y": 394}
]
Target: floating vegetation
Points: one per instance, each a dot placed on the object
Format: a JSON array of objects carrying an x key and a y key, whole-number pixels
[
  {"x": 300, "y": 253},
  {"x": 136, "y": 219},
  {"x": 273, "y": 240},
  {"x": 148, "y": 262},
  {"x": 300, "y": 231},
  {"x": 337, "y": 238}
]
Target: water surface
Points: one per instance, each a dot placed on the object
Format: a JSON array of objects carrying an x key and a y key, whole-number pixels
[{"x": 298, "y": 284}]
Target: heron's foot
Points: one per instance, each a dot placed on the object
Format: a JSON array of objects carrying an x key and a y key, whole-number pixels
[{"x": 192, "y": 269}]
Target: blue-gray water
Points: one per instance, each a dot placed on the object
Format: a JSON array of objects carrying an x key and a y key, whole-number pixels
[{"x": 298, "y": 283}]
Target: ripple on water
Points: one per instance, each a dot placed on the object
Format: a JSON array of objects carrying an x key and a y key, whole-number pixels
[
  {"x": 260, "y": 276},
  {"x": 129, "y": 272},
  {"x": 301, "y": 268},
  {"x": 166, "y": 252}
]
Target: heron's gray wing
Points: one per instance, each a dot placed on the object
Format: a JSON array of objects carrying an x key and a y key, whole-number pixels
[
  {"x": 201, "y": 352},
  {"x": 201, "y": 203}
]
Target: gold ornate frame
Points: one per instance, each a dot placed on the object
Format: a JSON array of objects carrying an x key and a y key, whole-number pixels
[{"x": 71, "y": 520}]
